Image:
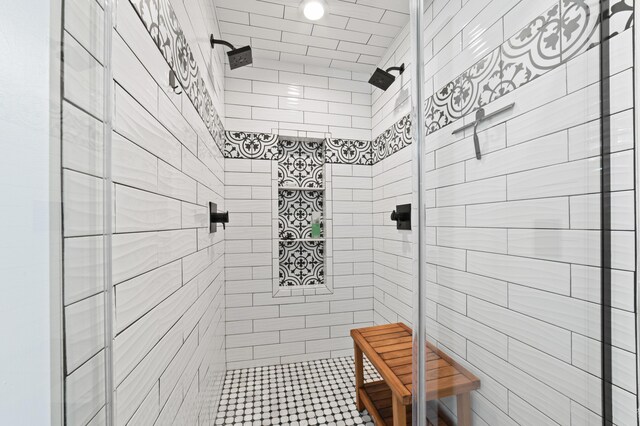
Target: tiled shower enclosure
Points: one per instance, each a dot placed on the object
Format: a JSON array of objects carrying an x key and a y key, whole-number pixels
[{"x": 517, "y": 156}]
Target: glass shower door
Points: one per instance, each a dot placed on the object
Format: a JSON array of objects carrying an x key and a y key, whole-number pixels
[
  {"x": 85, "y": 170},
  {"x": 528, "y": 245}
]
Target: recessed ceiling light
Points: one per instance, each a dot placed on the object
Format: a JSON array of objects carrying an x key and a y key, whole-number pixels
[{"x": 313, "y": 9}]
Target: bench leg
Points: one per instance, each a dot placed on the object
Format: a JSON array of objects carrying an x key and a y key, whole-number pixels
[
  {"x": 357, "y": 352},
  {"x": 464, "y": 409},
  {"x": 399, "y": 412}
]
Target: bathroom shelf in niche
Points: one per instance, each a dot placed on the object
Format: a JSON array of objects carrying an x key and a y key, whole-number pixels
[
  {"x": 298, "y": 188},
  {"x": 301, "y": 198},
  {"x": 284, "y": 240}
]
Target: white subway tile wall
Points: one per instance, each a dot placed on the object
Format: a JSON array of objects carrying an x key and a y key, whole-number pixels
[
  {"x": 168, "y": 271},
  {"x": 388, "y": 107},
  {"x": 268, "y": 324},
  {"x": 393, "y": 250},
  {"x": 513, "y": 254},
  {"x": 295, "y": 99}
]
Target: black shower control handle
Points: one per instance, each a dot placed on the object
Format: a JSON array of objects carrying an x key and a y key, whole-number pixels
[
  {"x": 395, "y": 216},
  {"x": 216, "y": 217},
  {"x": 402, "y": 216},
  {"x": 221, "y": 217}
]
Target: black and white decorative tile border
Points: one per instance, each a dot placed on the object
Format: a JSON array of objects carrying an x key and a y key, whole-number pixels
[
  {"x": 567, "y": 29},
  {"x": 264, "y": 146},
  {"x": 251, "y": 146},
  {"x": 348, "y": 151},
  {"x": 294, "y": 213},
  {"x": 300, "y": 163},
  {"x": 319, "y": 392},
  {"x": 161, "y": 22},
  {"x": 392, "y": 140},
  {"x": 148, "y": 12},
  {"x": 301, "y": 263}
]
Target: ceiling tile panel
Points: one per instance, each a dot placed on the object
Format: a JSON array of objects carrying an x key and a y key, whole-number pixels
[
  {"x": 352, "y": 37},
  {"x": 280, "y": 24}
]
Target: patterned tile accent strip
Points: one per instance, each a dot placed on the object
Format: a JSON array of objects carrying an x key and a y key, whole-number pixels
[
  {"x": 148, "y": 12},
  {"x": 260, "y": 146},
  {"x": 295, "y": 207},
  {"x": 162, "y": 24},
  {"x": 567, "y": 29},
  {"x": 392, "y": 140},
  {"x": 348, "y": 151},
  {"x": 252, "y": 146},
  {"x": 301, "y": 263}
]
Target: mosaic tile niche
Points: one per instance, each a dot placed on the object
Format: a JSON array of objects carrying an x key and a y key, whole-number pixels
[{"x": 300, "y": 193}]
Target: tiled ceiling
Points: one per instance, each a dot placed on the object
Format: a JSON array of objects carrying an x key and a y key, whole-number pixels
[{"x": 353, "y": 36}]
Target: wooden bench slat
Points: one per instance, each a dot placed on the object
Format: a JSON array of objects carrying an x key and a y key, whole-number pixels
[
  {"x": 382, "y": 329},
  {"x": 405, "y": 341},
  {"x": 395, "y": 354},
  {"x": 447, "y": 386},
  {"x": 390, "y": 335},
  {"x": 403, "y": 360},
  {"x": 393, "y": 347},
  {"x": 432, "y": 356},
  {"x": 431, "y": 365},
  {"x": 389, "y": 342},
  {"x": 433, "y": 374}
]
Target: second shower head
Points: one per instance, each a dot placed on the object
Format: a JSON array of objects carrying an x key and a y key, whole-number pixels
[
  {"x": 383, "y": 79},
  {"x": 237, "y": 57}
]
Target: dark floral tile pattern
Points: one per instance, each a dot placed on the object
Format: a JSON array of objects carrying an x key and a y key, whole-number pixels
[
  {"x": 301, "y": 263},
  {"x": 161, "y": 22},
  {"x": 472, "y": 89},
  {"x": 579, "y": 27},
  {"x": 560, "y": 33},
  {"x": 252, "y": 146},
  {"x": 170, "y": 33},
  {"x": 621, "y": 15},
  {"x": 147, "y": 10},
  {"x": 392, "y": 140},
  {"x": 266, "y": 146},
  {"x": 300, "y": 163},
  {"x": 348, "y": 151},
  {"x": 400, "y": 136},
  {"x": 537, "y": 46},
  {"x": 294, "y": 213}
]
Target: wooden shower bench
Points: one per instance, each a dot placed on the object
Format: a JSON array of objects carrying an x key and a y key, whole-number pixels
[{"x": 389, "y": 348}]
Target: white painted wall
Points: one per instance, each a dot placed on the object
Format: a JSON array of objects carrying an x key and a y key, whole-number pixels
[{"x": 25, "y": 358}]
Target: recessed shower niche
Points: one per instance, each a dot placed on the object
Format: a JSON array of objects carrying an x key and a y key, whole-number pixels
[{"x": 301, "y": 201}]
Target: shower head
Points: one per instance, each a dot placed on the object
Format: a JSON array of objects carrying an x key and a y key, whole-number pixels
[
  {"x": 240, "y": 57},
  {"x": 237, "y": 57},
  {"x": 383, "y": 79}
]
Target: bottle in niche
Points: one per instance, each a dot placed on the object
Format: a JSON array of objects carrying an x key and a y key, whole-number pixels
[{"x": 315, "y": 225}]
